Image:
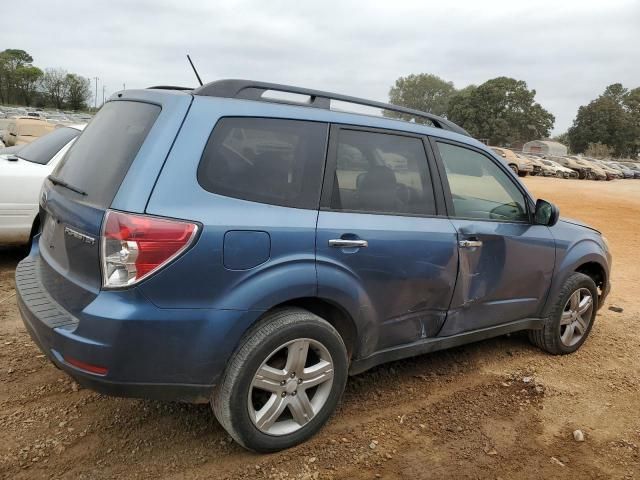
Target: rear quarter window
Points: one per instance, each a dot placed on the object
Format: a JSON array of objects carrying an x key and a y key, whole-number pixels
[
  {"x": 274, "y": 161},
  {"x": 99, "y": 160}
]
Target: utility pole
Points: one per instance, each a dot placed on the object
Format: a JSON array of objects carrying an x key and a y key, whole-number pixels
[
  {"x": 124, "y": 86},
  {"x": 96, "y": 97},
  {"x": 104, "y": 87}
]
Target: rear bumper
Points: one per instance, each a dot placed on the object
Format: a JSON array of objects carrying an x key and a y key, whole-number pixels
[{"x": 146, "y": 352}]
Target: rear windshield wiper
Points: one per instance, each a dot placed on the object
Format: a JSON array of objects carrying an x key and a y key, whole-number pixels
[{"x": 62, "y": 183}]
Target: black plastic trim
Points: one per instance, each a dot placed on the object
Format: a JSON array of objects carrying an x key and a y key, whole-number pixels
[
  {"x": 434, "y": 344},
  {"x": 169, "y": 87}
]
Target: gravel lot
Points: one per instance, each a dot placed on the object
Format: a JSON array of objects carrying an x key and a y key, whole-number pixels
[{"x": 496, "y": 409}]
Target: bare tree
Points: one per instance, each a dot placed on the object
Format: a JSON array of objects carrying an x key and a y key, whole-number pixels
[
  {"x": 55, "y": 86},
  {"x": 599, "y": 150}
]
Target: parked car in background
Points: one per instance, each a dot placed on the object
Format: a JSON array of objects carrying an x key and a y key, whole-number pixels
[
  {"x": 520, "y": 165},
  {"x": 625, "y": 169},
  {"x": 222, "y": 245},
  {"x": 612, "y": 173},
  {"x": 633, "y": 166},
  {"x": 597, "y": 173},
  {"x": 540, "y": 168},
  {"x": 23, "y": 168},
  {"x": 56, "y": 118},
  {"x": 558, "y": 170},
  {"x": 584, "y": 172},
  {"x": 25, "y": 130}
]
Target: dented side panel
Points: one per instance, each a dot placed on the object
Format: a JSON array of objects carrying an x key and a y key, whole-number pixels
[
  {"x": 505, "y": 279},
  {"x": 399, "y": 287}
]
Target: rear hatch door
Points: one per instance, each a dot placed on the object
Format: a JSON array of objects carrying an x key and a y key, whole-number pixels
[{"x": 85, "y": 184}]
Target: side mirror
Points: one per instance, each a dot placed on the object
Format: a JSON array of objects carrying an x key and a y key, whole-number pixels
[{"x": 546, "y": 213}]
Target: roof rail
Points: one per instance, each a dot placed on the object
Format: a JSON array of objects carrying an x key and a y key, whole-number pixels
[
  {"x": 168, "y": 87},
  {"x": 254, "y": 90}
]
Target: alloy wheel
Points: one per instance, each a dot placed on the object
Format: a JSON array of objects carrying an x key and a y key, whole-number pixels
[
  {"x": 290, "y": 387},
  {"x": 576, "y": 317}
]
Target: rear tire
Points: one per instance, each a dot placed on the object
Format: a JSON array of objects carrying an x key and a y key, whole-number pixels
[
  {"x": 566, "y": 329},
  {"x": 261, "y": 401},
  {"x": 514, "y": 168}
]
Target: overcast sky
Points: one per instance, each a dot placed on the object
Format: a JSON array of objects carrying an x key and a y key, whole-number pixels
[{"x": 568, "y": 51}]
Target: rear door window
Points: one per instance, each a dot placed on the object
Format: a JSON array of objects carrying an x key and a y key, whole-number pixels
[
  {"x": 382, "y": 173},
  {"x": 274, "y": 161},
  {"x": 100, "y": 158}
]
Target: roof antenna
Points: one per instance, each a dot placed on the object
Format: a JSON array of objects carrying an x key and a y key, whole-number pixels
[{"x": 194, "y": 69}]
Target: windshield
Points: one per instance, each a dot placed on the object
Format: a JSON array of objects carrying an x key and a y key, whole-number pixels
[{"x": 44, "y": 148}]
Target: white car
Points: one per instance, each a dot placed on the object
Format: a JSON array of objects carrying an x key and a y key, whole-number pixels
[{"x": 22, "y": 172}]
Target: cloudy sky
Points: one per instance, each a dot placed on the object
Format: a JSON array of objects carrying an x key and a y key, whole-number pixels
[{"x": 566, "y": 50}]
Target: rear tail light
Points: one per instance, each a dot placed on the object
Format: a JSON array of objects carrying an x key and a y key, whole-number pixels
[{"x": 135, "y": 246}]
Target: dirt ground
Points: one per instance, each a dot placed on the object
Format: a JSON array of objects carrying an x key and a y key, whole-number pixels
[{"x": 495, "y": 409}]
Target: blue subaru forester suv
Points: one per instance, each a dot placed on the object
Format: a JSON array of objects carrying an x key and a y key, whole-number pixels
[{"x": 248, "y": 245}]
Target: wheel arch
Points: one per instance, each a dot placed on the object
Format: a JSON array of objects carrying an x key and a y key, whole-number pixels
[
  {"x": 335, "y": 314},
  {"x": 596, "y": 272},
  {"x": 584, "y": 257}
]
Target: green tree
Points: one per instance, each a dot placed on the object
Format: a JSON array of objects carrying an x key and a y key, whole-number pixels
[
  {"x": 11, "y": 60},
  {"x": 612, "y": 119},
  {"x": 632, "y": 104},
  {"x": 502, "y": 111},
  {"x": 423, "y": 91},
  {"x": 27, "y": 79},
  {"x": 78, "y": 91},
  {"x": 460, "y": 106}
]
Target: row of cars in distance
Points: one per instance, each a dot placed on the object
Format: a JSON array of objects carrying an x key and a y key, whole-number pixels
[
  {"x": 570, "y": 166},
  {"x": 56, "y": 116},
  {"x": 22, "y": 125}
]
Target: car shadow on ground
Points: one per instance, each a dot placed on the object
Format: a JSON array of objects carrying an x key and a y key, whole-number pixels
[{"x": 10, "y": 256}]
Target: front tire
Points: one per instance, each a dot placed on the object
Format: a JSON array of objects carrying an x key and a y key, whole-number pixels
[
  {"x": 571, "y": 318},
  {"x": 284, "y": 381}
]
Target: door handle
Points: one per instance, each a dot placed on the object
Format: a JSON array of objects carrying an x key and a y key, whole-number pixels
[
  {"x": 470, "y": 243},
  {"x": 343, "y": 243}
]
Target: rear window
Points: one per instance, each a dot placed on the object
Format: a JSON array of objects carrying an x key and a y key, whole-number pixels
[
  {"x": 44, "y": 148},
  {"x": 100, "y": 158},
  {"x": 266, "y": 160}
]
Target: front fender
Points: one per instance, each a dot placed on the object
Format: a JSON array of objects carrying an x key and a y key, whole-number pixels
[{"x": 569, "y": 258}]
